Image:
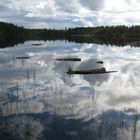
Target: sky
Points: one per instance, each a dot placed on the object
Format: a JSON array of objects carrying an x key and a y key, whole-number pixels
[{"x": 70, "y": 13}]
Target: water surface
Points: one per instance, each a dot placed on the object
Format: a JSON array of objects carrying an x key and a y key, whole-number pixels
[{"x": 39, "y": 100}]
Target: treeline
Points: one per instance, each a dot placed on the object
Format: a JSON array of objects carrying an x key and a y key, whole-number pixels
[
  {"x": 9, "y": 29},
  {"x": 106, "y": 31},
  {"x": 114, "y": 35},
  {"x": 45, "y": 34},
  {"x": 11, "y": 34}
]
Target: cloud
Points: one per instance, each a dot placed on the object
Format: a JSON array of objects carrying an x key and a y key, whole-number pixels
[
  {"x": 70, "y": 13},
  {"x": 93, "y": 4},
  {"x": 71, "y": 6},
  {"x": 43, "y": 9}
]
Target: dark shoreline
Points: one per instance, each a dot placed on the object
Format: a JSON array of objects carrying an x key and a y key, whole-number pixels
[{"x": 11, "y": 35}]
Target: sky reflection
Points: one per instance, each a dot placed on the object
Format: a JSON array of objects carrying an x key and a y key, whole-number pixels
[{"x": 40, "y": 84}]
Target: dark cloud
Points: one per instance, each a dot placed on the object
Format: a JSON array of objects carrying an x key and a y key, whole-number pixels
[
  {"x": 69, "y": 6},
  {"x": 3, "y": 8},
  {"x": 93, "y": 4}
]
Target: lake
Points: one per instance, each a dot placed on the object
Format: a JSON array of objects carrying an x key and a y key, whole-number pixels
[{"x": 39, "y": 100}]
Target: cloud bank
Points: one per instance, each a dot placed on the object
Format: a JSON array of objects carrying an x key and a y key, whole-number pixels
[{"x": 70, "y": 13}]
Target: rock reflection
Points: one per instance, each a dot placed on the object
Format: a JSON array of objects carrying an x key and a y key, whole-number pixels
[{"x": 91, "y": 63}]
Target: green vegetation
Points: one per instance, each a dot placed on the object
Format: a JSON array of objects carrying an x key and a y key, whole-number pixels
[
  {"x": 113, "y": 35},
  {"x": 45, "y": 34},
  {"x": 8, "y": 29},
  {"x": 11, "y": 34},
  {"x": 108, "y": 31}
]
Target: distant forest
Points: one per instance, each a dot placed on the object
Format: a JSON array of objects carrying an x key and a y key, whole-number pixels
[{"x": 121, "y": 35}]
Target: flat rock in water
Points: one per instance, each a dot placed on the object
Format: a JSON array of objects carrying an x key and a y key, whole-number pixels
[
  {"x": 37, "y": 44},
  {"x": 100, "y": 62},
  {"x": 23, "y": 57},
  {"x": 68, "y": 59},
  {"x": 91, "y": 71}
]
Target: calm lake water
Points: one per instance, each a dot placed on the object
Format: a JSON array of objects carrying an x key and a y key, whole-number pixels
[{"x": 40, "y": 101}]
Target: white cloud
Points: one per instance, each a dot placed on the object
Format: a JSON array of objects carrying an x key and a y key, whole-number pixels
[
  {"x": 43, "y": 9},
  {"x": 118, "y": 5}
]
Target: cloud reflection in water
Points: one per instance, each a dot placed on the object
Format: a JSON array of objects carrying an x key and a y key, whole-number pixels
[{"x": 44, "y": 86}]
